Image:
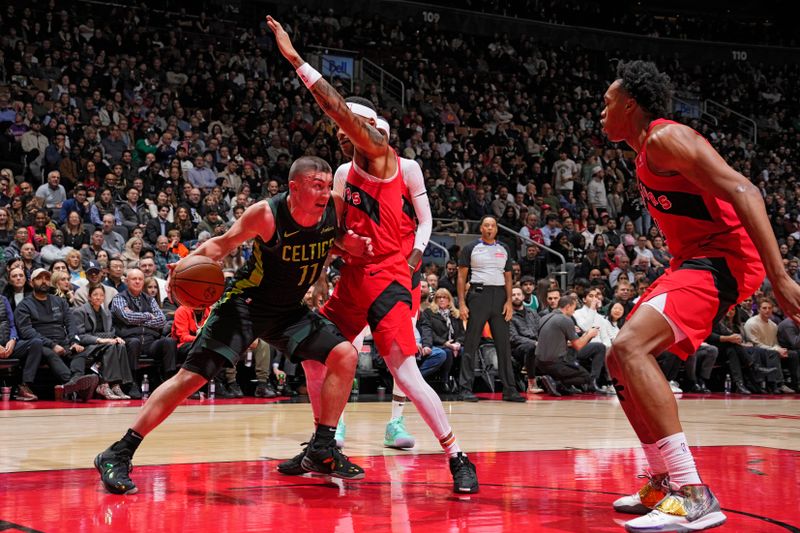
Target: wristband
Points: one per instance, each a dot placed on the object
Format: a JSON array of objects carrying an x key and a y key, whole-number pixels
[{"x": 308, "y": 74}]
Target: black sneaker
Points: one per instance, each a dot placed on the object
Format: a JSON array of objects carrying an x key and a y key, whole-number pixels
[
  {"x": 134, "y": 391},
  {"x": 329, "y": 460},
  {"x": 264, "y": 390},
  {"x": 235, "y": 390},
  {"x": 467, "y": 396},
  {"x": 293, "y": 466},
  {"x": 114, "y": 467},
  {"x": 513, "y": 396},
  {"x": 465, "y": 479},
  {"x": 221, "y": 390},
  {"x": 550, "y": 385}
]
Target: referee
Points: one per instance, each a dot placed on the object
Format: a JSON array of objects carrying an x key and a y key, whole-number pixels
[{"x": 486, "y": 265}]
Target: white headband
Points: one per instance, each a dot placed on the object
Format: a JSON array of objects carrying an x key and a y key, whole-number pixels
[
  {"x": 362, "y": 111},
  {"x": 383, "y": 126}
]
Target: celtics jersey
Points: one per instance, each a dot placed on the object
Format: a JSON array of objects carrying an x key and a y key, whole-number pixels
[{"x": 281, "y": 270}]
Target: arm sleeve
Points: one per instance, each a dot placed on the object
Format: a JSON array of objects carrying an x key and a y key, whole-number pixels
[
  {"x": 340, "y": 179},
  {"x": 412, "y": 174}
]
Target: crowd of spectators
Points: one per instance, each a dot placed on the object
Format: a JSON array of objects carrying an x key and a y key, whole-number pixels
[
  {"x": 122, "y": 147},
  {"x": 712, "y": 21}
]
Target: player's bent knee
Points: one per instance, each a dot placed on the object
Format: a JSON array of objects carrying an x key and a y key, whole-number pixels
[
  {"x": 343, "y": 358},
  {"x": 187, "y": 378}
]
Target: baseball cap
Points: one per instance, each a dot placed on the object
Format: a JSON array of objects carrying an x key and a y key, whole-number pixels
[
  {"x": 93, "y": 265},
  {"x": 527, "y": 279},
  {"x": 38, "y": 272}
]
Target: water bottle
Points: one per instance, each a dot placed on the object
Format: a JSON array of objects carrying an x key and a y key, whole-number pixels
[
  {"x": 354, "y": 392},
  {"x": 145, "y": 388},
  {"x": 248, "y": 360},
  {"x": 212, "y": 389},
  {"x": 727, "y": 383}
]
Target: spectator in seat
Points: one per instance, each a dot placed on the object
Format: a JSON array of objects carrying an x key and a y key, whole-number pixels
[
  {"x": 75, "y": 234},
  {"x": 789, "y": 339},
  {"x": 94, "y": 275},
  {"x": 54, "y": 251},
  {"x": 132, "y": 214},
  {"x": 89, "y": 253},
  {"x": 62, "y": 287},
  {"x": 115, "y": 275},
  {"x": 95, "y": 330},
  {"x": 17, "y": 286},
  {"x": 47, "y": 318},
  {"x": 78, "y": 204},
  {"x": 158, "y": 226},
  {"x": 30, "y": 258},
  {"x": 113, "y": 242},
  {"x": 442, "y": 336},
  {"x": 449, "y": 279},
  {"x": 763, "y": 332},
  {"x": 523, "y": 334},
  {"x": 29, "y": 352},
  {"x": 52, "y": 192},
  {"x": 139, "y": 320},
  {"x": 133, "y": 253},
  {"x": 553, "y": 295}
]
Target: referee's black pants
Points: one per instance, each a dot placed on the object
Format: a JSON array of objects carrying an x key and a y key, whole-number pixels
[{"x": 485, "y": 304}]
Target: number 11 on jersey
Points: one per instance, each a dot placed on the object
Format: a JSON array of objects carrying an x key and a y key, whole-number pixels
[{"x": 312, "y": 278}]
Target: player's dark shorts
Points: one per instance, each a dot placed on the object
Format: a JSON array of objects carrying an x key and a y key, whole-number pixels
[
  {"x": 236, "y": 322},
  {"x": 697, "y": 294}
]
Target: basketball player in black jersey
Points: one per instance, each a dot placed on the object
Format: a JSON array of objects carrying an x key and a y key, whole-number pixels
[{"x": 293, "y": 234}]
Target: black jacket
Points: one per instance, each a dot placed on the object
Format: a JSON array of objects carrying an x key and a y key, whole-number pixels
[
  {"x": 524, "y": 326},
  {"x": 434, "y": 332}
]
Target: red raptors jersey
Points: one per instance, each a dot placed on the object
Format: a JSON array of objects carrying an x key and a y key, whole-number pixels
[
  {"x": 375, "y": 210},
  {"x": 695, "y": 223},
  {"x": 408, "y": 226}
]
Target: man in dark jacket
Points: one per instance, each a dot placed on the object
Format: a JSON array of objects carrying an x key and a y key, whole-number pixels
[
  {"x": 523, "y": 330},
  {"x": 158, "y": 226},
  {"x": 47, "y": 318},
  {"x": 139, "y": 320},
  {"x": 29, "y": 352}
]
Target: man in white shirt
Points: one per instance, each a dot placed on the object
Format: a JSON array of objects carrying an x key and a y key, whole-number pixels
[
  {"x": 53, "y": 192},
  {"x": 596, "y": 192},
  {"x": 644, "y": 256},
  {"x": 763, "y": 332}
]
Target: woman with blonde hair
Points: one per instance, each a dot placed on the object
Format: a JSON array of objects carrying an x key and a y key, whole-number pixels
[
  {"x": 132, "y": 254},
  {"x": 62, "y": 286},
  {"x": 234, "y": 260},
  {"x": 442, "y": 335},
  {"x": 75, "y": 266}
]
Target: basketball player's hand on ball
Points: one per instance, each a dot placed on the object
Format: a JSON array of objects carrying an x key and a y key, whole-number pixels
[
  {"x": 356, "y": 245},
  {"x": 787, "y": 292},
  {"x": 282, "y": 39}
]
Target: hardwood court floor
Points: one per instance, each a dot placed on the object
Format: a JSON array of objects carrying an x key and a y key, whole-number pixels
[{"x": 547, "y": 465}]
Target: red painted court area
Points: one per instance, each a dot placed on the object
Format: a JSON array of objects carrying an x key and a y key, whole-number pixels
[{"x": 549, "y": 491}]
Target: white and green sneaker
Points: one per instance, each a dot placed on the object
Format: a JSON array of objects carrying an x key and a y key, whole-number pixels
[
  {"x": 397, "y": 436},
  {"x": 341, "y": 429}
]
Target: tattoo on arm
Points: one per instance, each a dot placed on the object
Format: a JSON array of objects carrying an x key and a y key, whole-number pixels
[{"x": 360, "y": 132}]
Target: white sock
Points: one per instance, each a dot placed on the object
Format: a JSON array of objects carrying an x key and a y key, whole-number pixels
[
  {"x": 398, "y": 405},
  {"x": 679, "y": 460},
  {"x": 654, "y": 459},
  {"x": 405, "y": 371}
]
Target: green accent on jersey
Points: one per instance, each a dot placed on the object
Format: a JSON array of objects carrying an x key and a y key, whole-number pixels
[{"x": 281, "y": 270}]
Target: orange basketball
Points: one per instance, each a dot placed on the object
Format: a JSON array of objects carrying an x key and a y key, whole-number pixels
[{"x": 197, "y": 282}]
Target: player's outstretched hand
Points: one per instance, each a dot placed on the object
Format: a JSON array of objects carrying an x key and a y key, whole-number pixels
[
  {"x": 787, "y": 292},
  {"x": 283, "y": 40},
  {"x": 356, "y": 245}
]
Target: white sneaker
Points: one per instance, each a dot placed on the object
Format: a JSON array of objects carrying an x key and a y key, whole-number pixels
[
  {"x": 117, "y": 390},
  {"x": 644, "y": 501},
  {"x": 691, "y": 508},
  {"x": 673, "y": 385}
]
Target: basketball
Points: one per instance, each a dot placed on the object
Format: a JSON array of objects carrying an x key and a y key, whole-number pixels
[{"x": 197, "y": 282}]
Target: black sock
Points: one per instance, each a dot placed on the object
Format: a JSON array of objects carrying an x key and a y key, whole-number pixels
[
  {"x": 324, "y": 435},
  {"x": 129, "y": 442}
]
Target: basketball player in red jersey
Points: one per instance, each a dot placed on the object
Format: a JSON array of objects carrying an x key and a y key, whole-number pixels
[
  {"x": 718, "y": 231},
  {"x": 416, "y": 229},
  {"x": 377, "y": 292}
]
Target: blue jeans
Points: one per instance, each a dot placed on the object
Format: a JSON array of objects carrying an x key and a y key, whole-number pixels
[{"x": 433, "y": 362}]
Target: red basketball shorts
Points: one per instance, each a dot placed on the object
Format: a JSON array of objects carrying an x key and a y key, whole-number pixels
[
  {"x": 696, "y": 295},
  {"x": 378, "y": 295}
]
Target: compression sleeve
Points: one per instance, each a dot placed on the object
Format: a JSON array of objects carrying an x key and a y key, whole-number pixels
[{"x": 412, "y": 174}]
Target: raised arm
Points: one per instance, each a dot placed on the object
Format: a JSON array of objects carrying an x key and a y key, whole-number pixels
[
  {"x": 677, "y": 148},
  {"x": 366, "y": 138}
]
